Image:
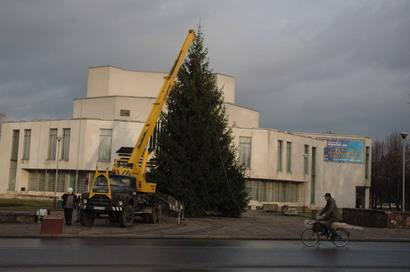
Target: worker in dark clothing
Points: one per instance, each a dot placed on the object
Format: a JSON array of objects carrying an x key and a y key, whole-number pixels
[
  {"x": 70, "y": 201},
  {"x": 329, "y": 214}
]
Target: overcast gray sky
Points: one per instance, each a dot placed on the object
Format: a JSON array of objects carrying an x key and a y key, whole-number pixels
[{"x": 324, "y": 65}]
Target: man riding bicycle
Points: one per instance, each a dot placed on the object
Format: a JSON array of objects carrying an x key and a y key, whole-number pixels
[{"x": 329, "y": 214}]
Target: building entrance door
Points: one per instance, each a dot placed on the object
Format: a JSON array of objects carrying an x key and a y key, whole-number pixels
[{"x": 360, "y": 197}]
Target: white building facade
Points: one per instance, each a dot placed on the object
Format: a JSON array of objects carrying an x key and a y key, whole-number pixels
[{"x": 45, "y": 157}]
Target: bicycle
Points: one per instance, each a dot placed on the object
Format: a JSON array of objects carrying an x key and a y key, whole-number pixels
[{"x": 314, "y": 230}]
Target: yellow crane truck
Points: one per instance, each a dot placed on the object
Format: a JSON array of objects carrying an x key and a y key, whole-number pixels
[{"x": 124, "y": 193}]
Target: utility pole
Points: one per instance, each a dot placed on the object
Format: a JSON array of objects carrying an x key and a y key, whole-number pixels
[
  {"x": 305, "y": 169},
  {"x": 404, "y": 136},
  {"x": 56, "y": 178}
]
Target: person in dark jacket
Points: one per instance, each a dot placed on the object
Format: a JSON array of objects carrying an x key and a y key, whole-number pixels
[
  {"x": 70, "y": 201},
  {"x": 329, "y": 214}
]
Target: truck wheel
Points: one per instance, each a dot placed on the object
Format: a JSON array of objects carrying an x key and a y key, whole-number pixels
[
  {"x": 154, "y": 216},
  {"x": 127, "y": 216},
  {"x": 86, "y": 218}
]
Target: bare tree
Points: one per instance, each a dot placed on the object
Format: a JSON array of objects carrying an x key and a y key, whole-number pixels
[
  {"x": 378, "y": 174},
  {"x": 387, "y": 172}
]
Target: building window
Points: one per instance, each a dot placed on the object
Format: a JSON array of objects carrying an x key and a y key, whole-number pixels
[
  {"x": 125, "y": 113},
  {"x": 280, "y": 155},
  {"x": 306, "y": 160},
  {"x": 52, "y": 144},
  {"x": 13, "y": 160},
  {"x": 245, "y": 149},
  {"x": 313, "y": 177},
  {"x": 26, "y": 147},
  {"x": 43, "y": 180},
  {"x": 289, "y": 157},
  {"x": 66, "y": 144},
  {"x": 273, "y": 191},
  {"x": 366, "y": 171},
  {"x": 34, "y": 180},
  {"x": 104, "y": 151}
]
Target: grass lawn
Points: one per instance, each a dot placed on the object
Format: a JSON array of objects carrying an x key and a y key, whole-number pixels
[{"x": 24, "y": 204}]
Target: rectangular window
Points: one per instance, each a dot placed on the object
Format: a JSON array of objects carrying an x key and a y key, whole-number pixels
[
  {"x": 245, "y": 149},
  {"x": 34, "y": 181},
  {"x": 83, "y": 182},
  {"x": 61, "y": 182},
  {"x": 42, "y": 186},
  {"x": 66, "y": 144},
  {"x": 366, "y": 170},
  {"x": 125, "y": 113},
  {"x": 13, "y": 159},
  {"x": 51, "y": 178},
  {"x": 273, "y": 191},
  {"x": 253, "y": 189},
  {"x": 52, "y": 144},
  {"x": 262, "y": 191},
  {"x": 293, "y": 192},
  {"x": 289, "y": 157},
  {"x": 313, "y": 177},
  {"x": 104, "y": 151},
  {"x": 306, "y": 160},
  {"x": 280, "y": 155},
  {"x": 26, "y": 147},
  {"x": 15, "y": 145}
]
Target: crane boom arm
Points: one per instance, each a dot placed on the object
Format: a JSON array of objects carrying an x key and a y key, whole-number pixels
[{"x": 139, "y": 151}]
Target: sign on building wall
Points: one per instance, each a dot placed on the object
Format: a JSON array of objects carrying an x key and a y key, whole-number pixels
[{"x": 347, "y": 151}]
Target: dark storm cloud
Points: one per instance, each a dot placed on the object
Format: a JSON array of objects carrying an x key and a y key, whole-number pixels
[{"x": 305, "y": 65}]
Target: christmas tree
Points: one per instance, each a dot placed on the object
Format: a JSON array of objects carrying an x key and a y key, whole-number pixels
[{"x": 196, "y": 160}]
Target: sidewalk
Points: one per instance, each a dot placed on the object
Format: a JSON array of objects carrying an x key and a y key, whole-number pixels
[{"x": 253, "y": 225}]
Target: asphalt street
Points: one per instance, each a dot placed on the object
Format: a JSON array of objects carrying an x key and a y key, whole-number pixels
[{"x": 198, "y": 255}]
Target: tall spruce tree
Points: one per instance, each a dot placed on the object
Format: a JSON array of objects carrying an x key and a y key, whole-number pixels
[{"x": 196, "y": 159}]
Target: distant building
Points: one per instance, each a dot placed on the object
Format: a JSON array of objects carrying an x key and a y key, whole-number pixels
[{"x": 287, "y": 168}]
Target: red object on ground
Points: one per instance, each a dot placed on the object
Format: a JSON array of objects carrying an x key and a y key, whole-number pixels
[{"x": 52, "y": 224}]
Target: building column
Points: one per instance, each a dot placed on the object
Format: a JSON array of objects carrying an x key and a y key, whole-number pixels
[{"x": 367, "y": 197}]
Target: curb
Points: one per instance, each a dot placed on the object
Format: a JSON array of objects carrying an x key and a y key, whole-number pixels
[{"x": 180, "y": 237}]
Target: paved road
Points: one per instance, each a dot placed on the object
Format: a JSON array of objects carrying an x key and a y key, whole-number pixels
[{"x": 197, "y": 255}]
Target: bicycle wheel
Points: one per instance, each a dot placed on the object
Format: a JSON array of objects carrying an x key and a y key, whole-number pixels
[
  {"x": 342, "y": 238},
  {"x": 309, "y": 238}
]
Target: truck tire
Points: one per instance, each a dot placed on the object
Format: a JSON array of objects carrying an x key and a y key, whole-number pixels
[
  {"x": 153, "y": 218},
  {"x": 127, "y": 216},
  {"x": 86, "y": 218}
]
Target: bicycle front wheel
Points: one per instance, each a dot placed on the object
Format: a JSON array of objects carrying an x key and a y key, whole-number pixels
[
  {"x": 309, "y": 238},
  {"x": 341, "y": 238}
]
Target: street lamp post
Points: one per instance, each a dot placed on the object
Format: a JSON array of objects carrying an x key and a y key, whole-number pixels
[
  {"x": 56, "y": 178},
  {"x": 404, "y": 136},
  {"x": 305, "y": 167}
]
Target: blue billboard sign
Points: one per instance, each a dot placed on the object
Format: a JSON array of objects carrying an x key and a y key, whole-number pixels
[{"x": 347, "y": 151}]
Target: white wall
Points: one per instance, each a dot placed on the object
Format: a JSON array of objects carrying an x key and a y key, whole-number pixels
[
  {"x": 84, "y": 144},
  {"x": 241, "y": 117},
  {"x": 339, "y": 179},
  {"x": 113, "y": 81},
  {"x": 108, "y": 108}
]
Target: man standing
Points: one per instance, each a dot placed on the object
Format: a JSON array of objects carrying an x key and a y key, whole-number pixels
[
  {"x": 329, "y": 213},
  {"x": 69, "y": 203}
]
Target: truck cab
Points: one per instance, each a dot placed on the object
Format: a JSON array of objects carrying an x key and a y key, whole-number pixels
[{"x": 116, "y": 198}]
